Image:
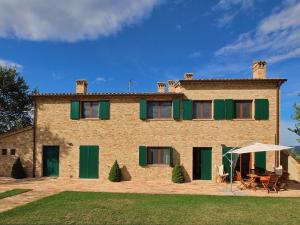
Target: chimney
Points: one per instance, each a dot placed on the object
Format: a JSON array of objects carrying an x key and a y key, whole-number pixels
[
  {"x": 259, "y": 70},
  {"x": 81, "y": 86},
  {"x": 171, "y": 87},
  {"x": 161, "y": 87},
  {"x": 188, "y": 76}
]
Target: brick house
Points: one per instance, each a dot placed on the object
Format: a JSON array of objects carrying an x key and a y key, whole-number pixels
[{"x": 80, "y": 135}]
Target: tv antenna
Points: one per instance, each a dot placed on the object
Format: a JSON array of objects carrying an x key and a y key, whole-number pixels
[{"x": 130, "y": 85}]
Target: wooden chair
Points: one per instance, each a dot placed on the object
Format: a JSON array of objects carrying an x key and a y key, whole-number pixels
[
  {"x": 283, "y": 181},
  {"x": 221, "y": 175},
  {"x": 244, "y": 184},
  {"x": 272, "y": 184}
]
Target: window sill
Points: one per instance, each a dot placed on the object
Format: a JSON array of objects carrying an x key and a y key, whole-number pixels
[
  {"x": 169, "y": 119},
  {"x": 86, "y": 119},
  {"x": 203, "y": 119},
  {"x": 158, "y": 165},
  {"x": 244, "y": 119}
]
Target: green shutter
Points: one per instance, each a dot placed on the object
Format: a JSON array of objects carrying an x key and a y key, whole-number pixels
[
  {"x": 219, "y": 109},
  {"x": 206, "y": 163},
  {"x": 261, "y": 109},
  {"x": 104, "y": 109},
  {"x": 143, "y": 156},
  {"x": 229, "y": 109},
  {"x": 171, "y": 156},
  {"x": 176, "y": 109},
  {"x": 225, "y": 161},
  {"x": 88, "y": 162},
  {"x": 75, "y": 110},
  {"x": 187, "y": 109},
  {"x": 260, "y": 161},
  {"x": 143, "y": 109}
]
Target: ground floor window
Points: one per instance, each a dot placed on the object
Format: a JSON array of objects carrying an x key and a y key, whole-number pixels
[
  {"x": 158, "y": 155},
  {"x": 4, "y": 152}
]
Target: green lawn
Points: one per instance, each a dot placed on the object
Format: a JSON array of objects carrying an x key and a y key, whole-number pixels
[
  {"x": 110, "y": 208},
  {"x": 13, "y": 192}
]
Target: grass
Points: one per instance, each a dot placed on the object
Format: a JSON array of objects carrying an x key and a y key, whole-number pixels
[
  {"x": 13, "y": 192},
  {"x": 113, "y": 208}
]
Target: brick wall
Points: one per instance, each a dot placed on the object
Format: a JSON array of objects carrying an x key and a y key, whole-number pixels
[{"x": 22, "y": 141}]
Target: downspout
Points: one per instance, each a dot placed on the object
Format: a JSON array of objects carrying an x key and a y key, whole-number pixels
[
  {"x": 278, "y": 124},
  {"x": 34, "y": 140}
]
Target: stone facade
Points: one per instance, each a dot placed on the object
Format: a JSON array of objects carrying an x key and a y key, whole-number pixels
[
  {"x": 22, "y": 142},
  {"x": 119, "y": 137}
]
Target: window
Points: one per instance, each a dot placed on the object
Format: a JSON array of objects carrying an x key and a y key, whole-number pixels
[
  {"x": 4, "y": 151},
  {"x": 243, "y": 109},
  {"x": 90, "y": 109},
  {"x": 159, "y": 110},
  {"x": 13, "y": 152},
  {"x": 202, "y": 110},
  {"x": 158, "y": 155}
]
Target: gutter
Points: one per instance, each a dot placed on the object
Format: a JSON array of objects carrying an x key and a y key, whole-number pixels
[{"x": 34, "y": 140}]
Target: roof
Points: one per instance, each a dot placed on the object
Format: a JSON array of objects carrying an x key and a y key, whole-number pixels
[
  {"x": 280, "y": 81},
  {"x": 16, "y": 131},
  {"x": 106, "y": 94}
]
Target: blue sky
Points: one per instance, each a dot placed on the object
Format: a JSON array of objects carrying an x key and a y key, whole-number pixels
[{"x": 109, "y": 42}]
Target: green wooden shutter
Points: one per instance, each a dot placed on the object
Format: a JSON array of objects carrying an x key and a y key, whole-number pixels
[
  {"x": 229, "y": 109},
  {"x": 176, "y": 109},
  {"x": 261, "y": 109},
  {"x": 83, "y": 161},
  {"x": 171, "y": 156},
  {"x": 104, "y": 110},
  {"x": 143, "y": 109},
  {"x": 206, "y": 163},
  {"x": 75, "y": 110},
  {"x": 219, "y": 109},
  {"x": 225, "y": 161},
  {"x": 260, "y": 161},
  {"x": 187, "y": 109},
  {"x": 143, "y": 156},
  {"x": 93, "y": 160}
]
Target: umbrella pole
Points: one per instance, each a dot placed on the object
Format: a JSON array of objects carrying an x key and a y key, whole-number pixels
[{"x": 231, "y": 171}]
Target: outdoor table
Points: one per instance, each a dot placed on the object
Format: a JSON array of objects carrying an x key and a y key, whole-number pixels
[{"x": 252, "y": 179}]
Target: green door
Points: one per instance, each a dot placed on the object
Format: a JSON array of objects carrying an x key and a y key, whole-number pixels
[
  {"x": 50, "y": 161},
  {"x": 202, "y": 163},
  {"x": 89, "y": 162},
  {"x": 260, "y": 161}
]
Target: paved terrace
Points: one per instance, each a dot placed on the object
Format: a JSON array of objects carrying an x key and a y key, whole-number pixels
[{"x": 43, "y": 187}]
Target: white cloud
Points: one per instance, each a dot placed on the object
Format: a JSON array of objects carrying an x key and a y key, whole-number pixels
[
  {"x": 7, "y": 63},
  {"x": 101, "y": 79},
  {"x": 69, "y": 20},
  {"x": 196, "y": 54},
  {"x": 56, "y": 76},
  {"x": 228, "y": 9},
  {"x": 287, "y": 137},
  {"x": 276, "y": 38}
]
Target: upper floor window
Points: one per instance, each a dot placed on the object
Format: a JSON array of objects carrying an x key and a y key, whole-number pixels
[
  {"x": 158, "y": 155},
  {"x": 202, "y": 109},
  {"x": 243, "y": 109},
  {"x": 4, "y": 152},
  {"x": 13, "y": 152},
  {"x": 90, "y": 109},
  {"x": 159, "y": 109}
]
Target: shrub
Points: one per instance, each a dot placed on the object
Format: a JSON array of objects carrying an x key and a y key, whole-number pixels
[
  {"x": 17, "y": 170},
  {"x": 177, "y": 174},
  {"x": 115, "y": 173}
]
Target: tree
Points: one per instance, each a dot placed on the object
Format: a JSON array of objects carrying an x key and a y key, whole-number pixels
[
  {"x": 16, "y": 104},
  {"x": 17, "y": 170},
  {"x": 296, "y": 117},
  {"x": 177, "y": 174},
  {"x": 115, "y": 173}
]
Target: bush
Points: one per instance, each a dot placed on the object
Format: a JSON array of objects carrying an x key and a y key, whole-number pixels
[
  {"x": 115, "y": 173},
  {"x": 17, "y": 170},
  {"x": 177, "y": 174}
]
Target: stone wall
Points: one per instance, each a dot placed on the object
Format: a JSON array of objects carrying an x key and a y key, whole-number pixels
[
  {"x": 120, "y": 137},
  {"x": 22, "y": 142}
]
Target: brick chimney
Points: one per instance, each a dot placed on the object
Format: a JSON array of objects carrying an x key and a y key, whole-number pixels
[
  {"x": 188, "y": 76},
  {"x": 171, "y": 87},
  {"x": 81, "y": 86},
  {"x": 259, "y": 70},
  {"x": 161, "y": 87}
]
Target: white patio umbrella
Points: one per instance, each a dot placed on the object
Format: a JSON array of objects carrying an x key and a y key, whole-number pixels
[{"x": 257, "y": 147}]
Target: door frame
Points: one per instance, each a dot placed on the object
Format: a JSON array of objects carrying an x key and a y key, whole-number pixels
[
  {"x": 211, "y": 162},
  {"x": 43, "y": 159}
]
